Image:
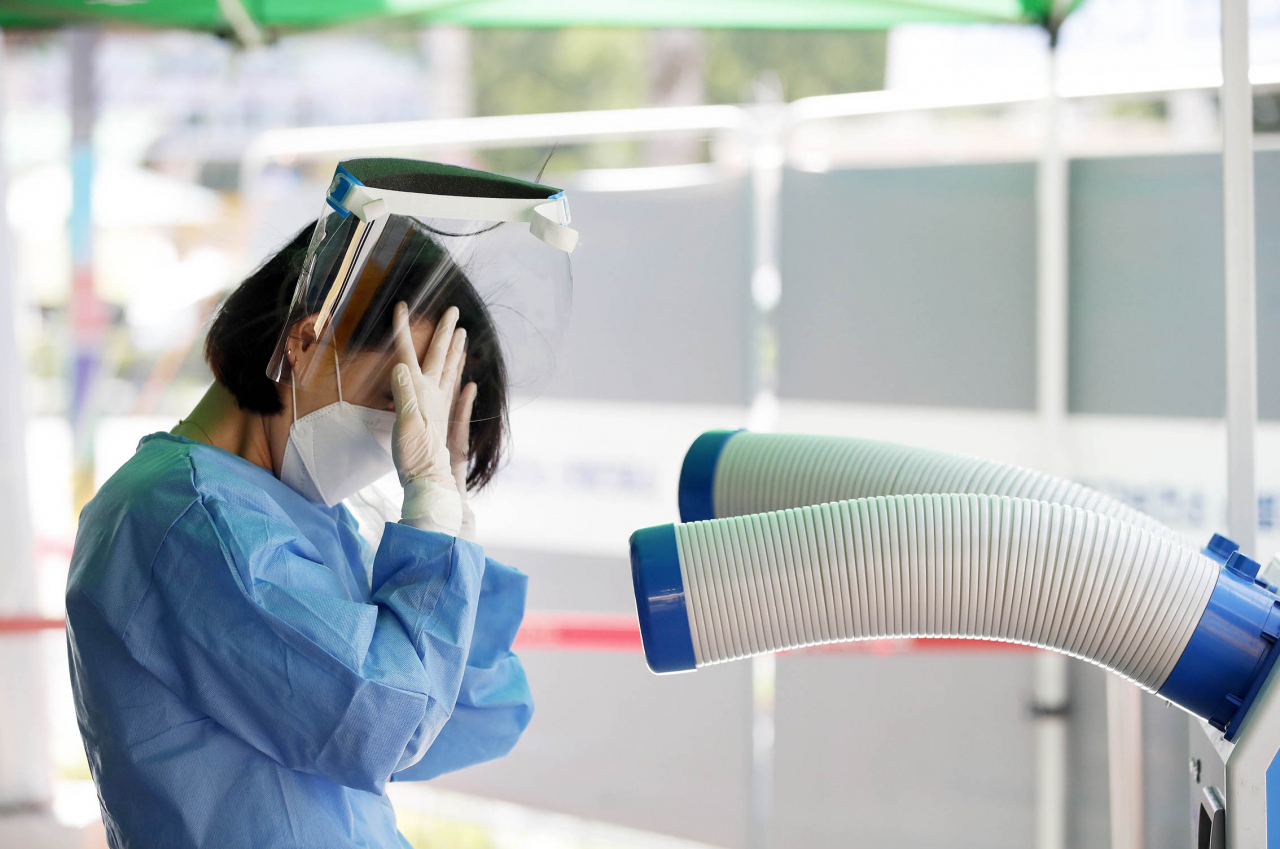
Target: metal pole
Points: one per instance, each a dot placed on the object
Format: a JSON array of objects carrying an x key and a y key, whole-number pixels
[
  {"x": 1241, "y": 289},
  {"x": 1051, "y": 672},
  {"x": 1124, "y": 763},
  {"x": 767, "y": 158},
  {"x": 1051, "y": 705},
  {"x": 1241, "y": 313},
  {"x": 25, "y": 783}
]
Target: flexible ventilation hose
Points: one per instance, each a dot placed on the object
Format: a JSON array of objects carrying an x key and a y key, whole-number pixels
[
  {"x": 736, "y": 473},
  {"x": 1132, "y": 599}
]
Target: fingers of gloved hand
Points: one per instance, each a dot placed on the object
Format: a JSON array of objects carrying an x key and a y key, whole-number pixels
[
  {"x": 410, "y": 441},
  {"x": 460, "y": 425},
  {"x": 405, "y": 350},
  {"x": 453, "y": 364},
  {"x": 459, "y": 416},
  {"x": 457, "y": 390},
  {"x": 441, "y": 342},
  {"x": 408, "y": 413}
]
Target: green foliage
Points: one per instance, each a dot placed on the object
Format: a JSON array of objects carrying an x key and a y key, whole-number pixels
[
  {"x": 521, "y": 71},
  {"x": 806, "y": 63}
]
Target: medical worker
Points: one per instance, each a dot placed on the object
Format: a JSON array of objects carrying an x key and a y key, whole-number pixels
[{"x": 248, "y": 670}]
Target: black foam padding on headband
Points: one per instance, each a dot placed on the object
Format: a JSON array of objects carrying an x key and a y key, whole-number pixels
[{"x": 436, "y": 178}]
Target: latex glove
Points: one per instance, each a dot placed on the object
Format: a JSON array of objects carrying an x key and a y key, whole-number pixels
[
  {"x": 459, "y": 440},
  {"x": 424, "y": 398}
]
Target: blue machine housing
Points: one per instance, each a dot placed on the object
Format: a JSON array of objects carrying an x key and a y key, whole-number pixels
[{"x": 1234, "y": 646}]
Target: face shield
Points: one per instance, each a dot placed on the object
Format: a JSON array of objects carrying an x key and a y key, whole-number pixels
[{"x": 432, "y": 236}]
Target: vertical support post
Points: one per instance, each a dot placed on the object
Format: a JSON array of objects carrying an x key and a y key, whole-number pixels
[
  {"x": 676, "y": 78},
  {"x": 448, "y": 53},
  {"x": 1246, "y": 826},
  {"x": 87, "y": 318},
  {"x": 1051, "y": 704},
  {"x": 1051, "y": 681},
  {"x": 768, "y": 155},
  {"x": 24, "y": 740},
  {"x": 447, "y": 49},
  {"x": 1052, "y": 297},
  {"x": 764, "y": 673},
  {"x": 1241, "y": 287},
  {"x": 1124, "y": 763}
]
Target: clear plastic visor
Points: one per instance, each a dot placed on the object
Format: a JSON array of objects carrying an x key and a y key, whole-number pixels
[{"x": 513, "y": 293}]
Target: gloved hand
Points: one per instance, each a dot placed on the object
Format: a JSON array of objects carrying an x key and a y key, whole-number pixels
[
  {"x": 458, "y": 440},
  {"x": 424, "y": 399}
]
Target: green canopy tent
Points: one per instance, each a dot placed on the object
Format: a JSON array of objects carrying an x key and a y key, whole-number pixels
[{"x": 284, "y": 15}]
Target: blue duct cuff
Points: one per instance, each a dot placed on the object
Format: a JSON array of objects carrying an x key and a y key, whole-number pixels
[
  {"x": 664, "y": 620},
  {"x": 1231, "y": 651},
  {"x": 1220, "y": 549},
  {"x": 698, "y": 476}
]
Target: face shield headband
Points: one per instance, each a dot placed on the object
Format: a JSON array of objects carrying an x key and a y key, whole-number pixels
[{"x": 548, "y": 218}]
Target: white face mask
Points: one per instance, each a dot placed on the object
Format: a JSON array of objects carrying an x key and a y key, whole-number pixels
[{"x": 337, "y": 450}]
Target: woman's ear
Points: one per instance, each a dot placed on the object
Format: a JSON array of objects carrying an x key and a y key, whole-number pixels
[
  {"x": 304, "y": 352},
  {"x": 302, "y": 339}
]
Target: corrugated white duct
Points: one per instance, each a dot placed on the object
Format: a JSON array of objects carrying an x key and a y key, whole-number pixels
[
  {"x": 760, "y": 472},
  {"x": 957, "y": 565}
]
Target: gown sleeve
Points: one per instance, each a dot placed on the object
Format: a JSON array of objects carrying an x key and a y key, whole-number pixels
[
  {"x": 494, "y": 704},
  {"x": 243, "y": 621}
]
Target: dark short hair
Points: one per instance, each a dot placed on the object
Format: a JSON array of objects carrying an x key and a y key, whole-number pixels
[{"x": 249, "y": 322}]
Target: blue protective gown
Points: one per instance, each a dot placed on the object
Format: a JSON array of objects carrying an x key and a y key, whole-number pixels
[{"x": 245, "y": 677}]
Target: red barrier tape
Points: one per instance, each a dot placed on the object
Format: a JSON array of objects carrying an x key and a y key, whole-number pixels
[
  {"x": 619, "y": 632},
  {"x": 25, "y": 624},
  {"x": 615, "y": 632}
]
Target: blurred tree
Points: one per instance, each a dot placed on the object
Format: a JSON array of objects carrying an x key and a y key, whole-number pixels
[
  {"x": 558, "y": 70},
  {"x": 806, "y": 63},
  {"x": 520, "y": 71}
]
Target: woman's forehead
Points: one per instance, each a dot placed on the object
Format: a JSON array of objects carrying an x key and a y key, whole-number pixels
[{"x": 421, "y": 329}]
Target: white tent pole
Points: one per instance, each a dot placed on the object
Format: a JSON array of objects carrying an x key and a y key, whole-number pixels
[
  {"x": 1050, "y": 679},
  {"x": 1124, "y": 701},
  {"x": 24, "y": 740},
  {"x": 768, "y": 156},
  {"x": 1241, "y": 288},
  {"x": 1241, "y": 313},
  {"x": 1052, "y": 211}
]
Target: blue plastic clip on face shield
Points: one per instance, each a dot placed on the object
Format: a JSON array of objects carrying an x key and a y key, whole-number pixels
[{"x": 340, "y": 189}]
